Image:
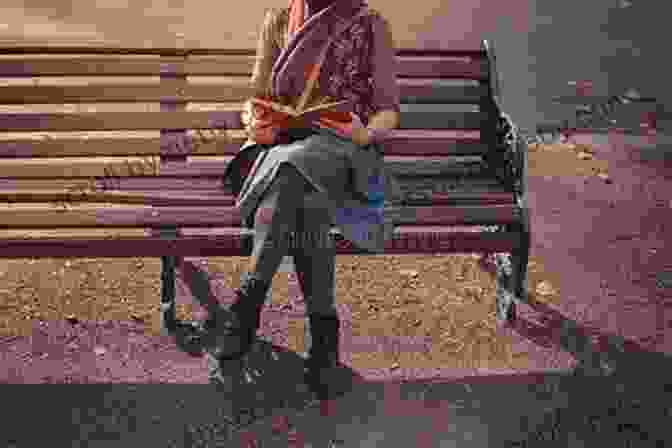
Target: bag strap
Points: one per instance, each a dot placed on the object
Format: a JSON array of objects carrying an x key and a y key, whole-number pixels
[{"x": 315, "y": 73}]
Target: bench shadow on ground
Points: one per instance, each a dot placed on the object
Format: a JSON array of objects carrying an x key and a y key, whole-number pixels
[
  {"x": 609, "y": 368},
  {"x": 620, "y": 393},
  {"x": 267, "y": 361}
]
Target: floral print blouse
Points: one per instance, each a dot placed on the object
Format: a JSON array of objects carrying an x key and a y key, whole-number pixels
[{"x": 360, "y": 66}]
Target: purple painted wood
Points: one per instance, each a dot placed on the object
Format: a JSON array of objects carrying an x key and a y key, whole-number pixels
[
  {"x": 394, "y": 165},
  {"x": 116, "y": 121},
  {"x": 22, "y": 48},
  {"x": 198, "y": 216},
  {"x": 411, "y": 90},
  {"x": 412, "y": 116},
  {"x": 434, "y": 67},
  {"x": 157, "y": 198},
  {"x": 400, "y": 146},
  {"x": 166, "y": 183},
  {"x": 415, "y": 116},
  {"x": 401, "y": 142},
  {"x": 432, "y": 91},
  {"x": 223, "y": 197},
  {"x": 469, "y": 64},
  {"x": 456, "y": 215},
  {"x": 231, "y": 244}
]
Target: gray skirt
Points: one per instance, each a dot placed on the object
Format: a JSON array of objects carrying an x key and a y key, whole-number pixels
[{"x": 327, "y": 161}]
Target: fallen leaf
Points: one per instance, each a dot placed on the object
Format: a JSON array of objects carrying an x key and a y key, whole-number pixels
[
  {"x": 395, "y": 366},
  {"x": 585, "y": 156},
  {"x": 100, "y": 350},
  {"x": 544, "y": 288},
  {"x": 409, "y": 272},
  {"x": 605, "y": 177}
]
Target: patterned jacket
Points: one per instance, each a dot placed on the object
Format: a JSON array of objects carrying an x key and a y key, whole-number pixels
[{"x": 357, "y": 66}]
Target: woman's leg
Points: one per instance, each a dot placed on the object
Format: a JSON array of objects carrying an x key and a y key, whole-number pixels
[
  {"x": 315, "y": 260},
  {"x": 275, "y": 220},
  {"x": 314, "y": 256}
]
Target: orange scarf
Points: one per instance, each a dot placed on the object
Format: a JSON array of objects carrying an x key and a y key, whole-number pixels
[
  {"x": 268, "y": 123},
  {"x": 297, "y": 15}
]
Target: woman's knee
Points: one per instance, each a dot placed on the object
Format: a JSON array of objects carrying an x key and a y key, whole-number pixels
[
  {"x": 282, "y": 196},
  {"x": 290, "y": 179}
]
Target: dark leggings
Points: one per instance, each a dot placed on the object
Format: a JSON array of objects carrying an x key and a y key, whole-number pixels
[{"x": 287, "y": 224}]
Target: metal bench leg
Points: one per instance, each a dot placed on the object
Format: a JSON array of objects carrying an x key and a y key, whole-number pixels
[
  {"x": 519, "y": 259},
  {"x": 512, "y": 274},
  {"x": 168, "y": 318},
  {"x": 505, "y": 300}
]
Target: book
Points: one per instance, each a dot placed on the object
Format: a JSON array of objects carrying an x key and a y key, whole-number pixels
[{"x": 310, "y": 113}]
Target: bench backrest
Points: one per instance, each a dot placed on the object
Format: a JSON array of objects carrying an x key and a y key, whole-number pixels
[{"x": 151, "y": 153}]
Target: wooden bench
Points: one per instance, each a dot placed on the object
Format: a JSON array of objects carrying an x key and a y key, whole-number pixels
[{"x": 153, "y": 188}]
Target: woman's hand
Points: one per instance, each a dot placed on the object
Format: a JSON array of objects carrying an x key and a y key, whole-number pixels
[
  {"x": 360, "y": 136},
  {"x": 258, "y": 127},
  {"x": 265, "y": 134}
]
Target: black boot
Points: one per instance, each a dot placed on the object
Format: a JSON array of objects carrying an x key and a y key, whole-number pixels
[
  {"x": 322, "y": 355},
  {"x": 235, "y": 328}
]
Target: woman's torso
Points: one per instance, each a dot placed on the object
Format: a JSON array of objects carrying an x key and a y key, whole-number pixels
[{"x": 346, "y": 72}]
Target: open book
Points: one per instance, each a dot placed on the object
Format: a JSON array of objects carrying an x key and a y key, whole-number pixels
[{"x": 310, "y": 113}]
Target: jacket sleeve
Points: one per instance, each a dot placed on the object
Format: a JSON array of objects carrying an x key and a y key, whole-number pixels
[{"x": 386, "y": 95}]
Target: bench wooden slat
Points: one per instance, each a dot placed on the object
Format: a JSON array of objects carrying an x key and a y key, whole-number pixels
[
  {"x": 233, "y": 65},
  {"x": 198, "y": 184},
  {"x": 412, "y": 117},
  {"x": 432, "y": 91},
  {"x": 111, "y": 93},
  {"x": 214, "y": 198},
  {"x": 423, "y": 67},
  {"x": 114, "y": 121},
  {"x": 595, "y": 100},
  {"x": 115, "y": 147},
  {"x": 402, "y": 143},
  {"x": 12, "y": 48},
  {"x": 222, "y": 197},
  {"x": 411, "y": 65},
  {"x": 231, "y": 243},
  {"x": 142, "y": 167},
  {"x": 131, "y": 216},
  {"x": 411, "y": 92}
]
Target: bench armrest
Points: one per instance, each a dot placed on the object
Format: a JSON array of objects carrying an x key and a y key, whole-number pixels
[{"x": 515, "y": 146}]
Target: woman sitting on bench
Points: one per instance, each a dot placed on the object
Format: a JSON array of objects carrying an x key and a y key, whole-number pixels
[{"x": 304, "y": 172}]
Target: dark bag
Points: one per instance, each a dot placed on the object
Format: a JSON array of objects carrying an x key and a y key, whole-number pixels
[{"x": 240, "y": 166}]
